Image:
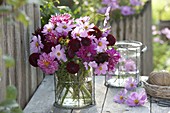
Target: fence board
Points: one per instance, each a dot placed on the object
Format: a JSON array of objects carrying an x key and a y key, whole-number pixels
[
  {"x": 10, "y": 52},
  {"x": 33, "y": 76},
  {"x": 37, "y": 24},
  {"x": 2, "y": 68},
  {"x": 15, "y": 40}
]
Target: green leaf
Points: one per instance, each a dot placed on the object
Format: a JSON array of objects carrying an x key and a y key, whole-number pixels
[
  {"x": 11, "y": 92},
  {"x": 8, "y": 103},
  {"x": 16, "y": 3},
  {"x": 5, "y": 9},
  {"x": 9, "y": 61},
  {"x": 16, "y": 110},
  {"x": 23, "y": 18}
]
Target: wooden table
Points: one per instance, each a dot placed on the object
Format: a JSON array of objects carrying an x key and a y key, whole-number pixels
[{"x": 43, "y": 99}]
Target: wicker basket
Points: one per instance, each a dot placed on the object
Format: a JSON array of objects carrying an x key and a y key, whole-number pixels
[{"x": 157, "y": 91}]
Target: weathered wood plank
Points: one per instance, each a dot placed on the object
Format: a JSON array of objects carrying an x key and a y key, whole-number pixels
[
  {"x": 18, "y": 64},
  {"x": 121, "y": 30},
  {"x": 112, "y": 107},
  {"x": 2, "y": 67},
  {"x": 43, "y": 99},
  {"x": 37, "y": 23},
  {"x": 10, "y": 51},
  {"x": 33, "y": 73}
]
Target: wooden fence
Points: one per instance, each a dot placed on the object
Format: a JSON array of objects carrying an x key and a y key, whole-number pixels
[
  {"x": 14, "y": 41},
  {"x": 138, "y": 28},
  {"x": 15, "y": 38}
]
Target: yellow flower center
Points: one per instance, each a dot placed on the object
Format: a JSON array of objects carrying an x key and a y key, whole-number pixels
[
  {"x": 49, "y": 30},
  {"x": 100, "y": 68},
  {"x": 36, "y": 44},
  {"x": 46, "y": 63},
  {"x": 136, "y": 101},
  {"x": 58, "y": 53},
  {"x": 78, "y": 34},
  {"x": 131, "y": 85},
  {"x": 60, "y": 39},
  {"x": 86, "y": 27},
  {"x": 121, "y": 97},
  {"x": 64, "y": 27},
  {"x": 100, "y": 43}
]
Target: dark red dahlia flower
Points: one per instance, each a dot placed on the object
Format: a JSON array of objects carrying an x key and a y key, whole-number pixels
[
  {"x": 74, "y": 45},
  {"x": 111, "y": 39},
  {"x": 86, "y": 41},
  {"x": 47, "y": 47},
  {"x": 102, "y": 57},
  {"x": 33, "y": 59},
  {"x": 70, "y": 54},
  {"x": 97, "y": 33},
  {"x": 72, "y": 67}
]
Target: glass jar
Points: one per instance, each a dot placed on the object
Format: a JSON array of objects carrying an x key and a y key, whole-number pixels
[
  {"x": 74, "y": 91},
  {"x": 129, "y": 64}
]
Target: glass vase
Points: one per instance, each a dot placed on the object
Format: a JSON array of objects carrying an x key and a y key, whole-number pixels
[
  {"x": 74, "y": 91},
  {"x": 129, "y": 64}
]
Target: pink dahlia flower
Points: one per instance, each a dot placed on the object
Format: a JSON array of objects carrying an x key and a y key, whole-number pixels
[
  {"x": 87, "y": 53},
  {"x": 47, "y": 63}
]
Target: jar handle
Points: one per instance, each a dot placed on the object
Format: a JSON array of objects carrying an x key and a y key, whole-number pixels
[{"x": 144, "y": 48}]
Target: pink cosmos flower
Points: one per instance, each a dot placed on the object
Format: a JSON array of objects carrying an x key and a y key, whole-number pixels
[
  {"x": 168, "y": 36},
  {"x": 36, "y": 44},
  {"x": 78, "y": 32},
  {"x": 102, "y": 44},
  {"x": 120, "y": 97},
  {"x": 48, "y": 28},
  {"x": 102, "y": 10},
  {"x": 112, "y": 3},
  {"x": 64, "y": 27},
  {"x": 58, "y": 53},
  {"x": 93, "y": 64},
  {"x": 126, "y": 10},
  {"x": 106, "y": 16},
  {"x": 86, "y": 65},
  {"x": 153, "y": 27},
  {"x": 101, "y": 69},
  {"x": 130, "y": 84},
  {"x": 165, "y": 31},
  {"x": 135, "y": 2},
  {"x": 136, "y": 99},
  {"x": 157, "y": 39},
  {"x": 47, "y": 63},
  {"x": 130, "y": 65}
]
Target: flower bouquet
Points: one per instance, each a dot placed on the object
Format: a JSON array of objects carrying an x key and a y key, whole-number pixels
[{"x": 72, "y": 50}]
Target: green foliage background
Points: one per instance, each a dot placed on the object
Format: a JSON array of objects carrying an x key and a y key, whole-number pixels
[{"x": 161, "y": 54}]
